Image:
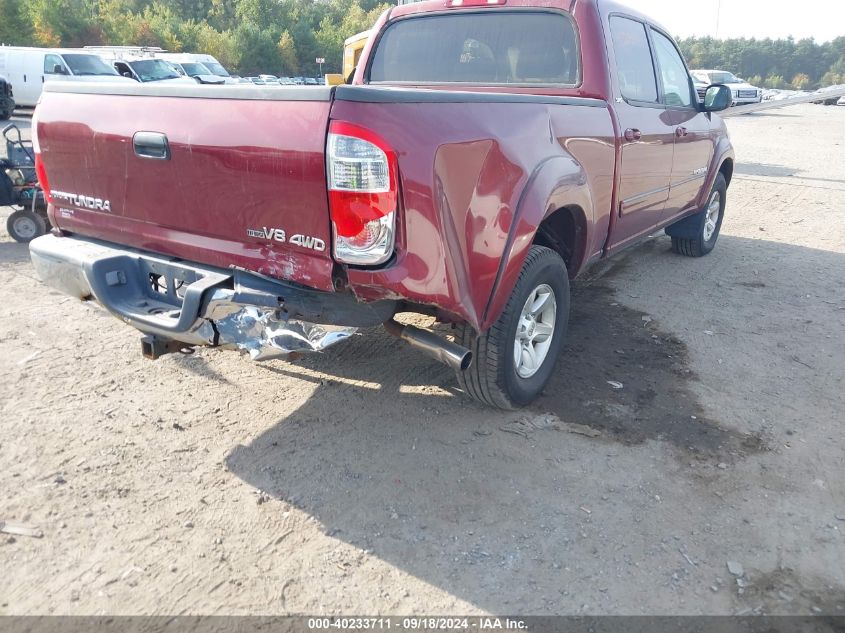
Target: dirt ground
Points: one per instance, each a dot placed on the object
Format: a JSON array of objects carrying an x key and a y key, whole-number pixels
[{"x": 362, "y": 481}]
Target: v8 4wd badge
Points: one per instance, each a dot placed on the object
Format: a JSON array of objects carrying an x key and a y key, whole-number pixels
[{"x": 279, "y": 235}]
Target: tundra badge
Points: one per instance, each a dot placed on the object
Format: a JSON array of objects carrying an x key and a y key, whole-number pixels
[{"x": 96, "y": 204}]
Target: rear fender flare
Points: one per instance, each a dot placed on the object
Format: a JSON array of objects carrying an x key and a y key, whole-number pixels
[{"x": 558, "y": 182}]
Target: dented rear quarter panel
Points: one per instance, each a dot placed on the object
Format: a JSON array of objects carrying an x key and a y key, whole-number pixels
[{"x": 476, "y": 180}]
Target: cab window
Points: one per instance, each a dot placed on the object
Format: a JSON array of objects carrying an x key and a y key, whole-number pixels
[
  {"x": 50, "y": 63},
  {"x": 634, "y": 66},
  {"x": 673, "y": 73}
]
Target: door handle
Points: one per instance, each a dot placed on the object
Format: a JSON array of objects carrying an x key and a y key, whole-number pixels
[
  {"x": 151, "y": 145},
  {"x": 633, "y": 134},
  {"x": 680, "y": 131}
]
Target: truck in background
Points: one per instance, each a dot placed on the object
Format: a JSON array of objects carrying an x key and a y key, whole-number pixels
[
  {"x": 353, "y": 47},
  {"x": 742, "y": 92}
]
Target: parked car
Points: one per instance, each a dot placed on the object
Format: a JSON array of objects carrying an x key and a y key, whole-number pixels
[
  {"x": 7, "y": 101},
  {"x": 27, "y": 69},
  {"x": 208, "y": 62},
  {"x": 742, "y": 92},
  {"x": 258, "y": 81},
  {"x": 196, "y": 71},
  {"x": 299, "y": 81},
  {"x": 475, "y": 202},
  {"x": 287, "y": 81},
  {"x": 269, "y": 79},
  {"x": 311, "y": 81}
]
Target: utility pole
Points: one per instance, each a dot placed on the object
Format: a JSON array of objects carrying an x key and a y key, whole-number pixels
[{"x": 718, "y": 17}]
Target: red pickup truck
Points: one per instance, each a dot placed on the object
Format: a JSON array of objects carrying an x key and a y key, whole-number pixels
[{"x": 486, "y": 152}]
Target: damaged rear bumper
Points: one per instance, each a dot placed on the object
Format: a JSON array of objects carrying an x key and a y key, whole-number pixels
[{"x": 174, "y": 300}]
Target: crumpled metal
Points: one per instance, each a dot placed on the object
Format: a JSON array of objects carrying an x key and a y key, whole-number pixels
[{"x": 265, "y": 336}]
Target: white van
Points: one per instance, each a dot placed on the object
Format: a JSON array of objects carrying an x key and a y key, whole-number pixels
[{"x": 28, "y": 68}]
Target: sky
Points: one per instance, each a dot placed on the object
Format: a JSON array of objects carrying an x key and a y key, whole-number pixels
[{"x": 822, "y": 19}]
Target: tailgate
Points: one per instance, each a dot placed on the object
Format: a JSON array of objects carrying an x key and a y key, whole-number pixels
[{"x": 221, "y": 175}]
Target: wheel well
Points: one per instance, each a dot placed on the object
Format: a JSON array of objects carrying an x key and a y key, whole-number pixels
[
  {"x": 727, "y": 170},
  {"x": 563, "y": 231}
]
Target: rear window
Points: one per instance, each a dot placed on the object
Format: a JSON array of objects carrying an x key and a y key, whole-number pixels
[{"x": 505, "y": 47}]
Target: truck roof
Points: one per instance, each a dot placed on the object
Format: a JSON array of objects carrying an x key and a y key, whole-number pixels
[
  {"x": 604, "y": 7},
  {"x": 432, "y": 6},
  {"x": 607, "y": 7}
]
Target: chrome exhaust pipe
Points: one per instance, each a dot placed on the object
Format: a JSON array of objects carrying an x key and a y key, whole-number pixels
[{"x": 456, "y": 356}]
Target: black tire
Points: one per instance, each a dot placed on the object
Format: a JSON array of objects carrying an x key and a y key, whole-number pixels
[
  {"x": 493, "y": 378},
  {"x": 696, "y": 236},
  {"x": 5, "y": 116},
  {"x": 24, "y": 226}
]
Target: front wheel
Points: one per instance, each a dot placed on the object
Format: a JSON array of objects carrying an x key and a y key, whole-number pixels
[
  {"x": 24, "y": 226},
  {"x": 515, "y": 358}
]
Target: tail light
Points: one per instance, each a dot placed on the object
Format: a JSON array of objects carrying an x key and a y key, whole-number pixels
[
  {"x": 362, "y": 174},
  {"x": 39, "y": 164}
]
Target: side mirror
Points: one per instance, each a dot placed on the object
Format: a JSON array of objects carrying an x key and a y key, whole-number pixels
[
  {"x": 717, "y": 98},
  {"x": 58, "y": 69},
  {"x": 126, "y": 73}
]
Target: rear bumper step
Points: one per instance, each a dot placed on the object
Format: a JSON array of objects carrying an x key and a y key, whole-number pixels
[{"x": 191, "y": 304}]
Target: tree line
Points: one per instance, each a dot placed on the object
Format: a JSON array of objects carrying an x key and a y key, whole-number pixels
[
  {"x": 784, "y": 63},
  {"x": 285, "y": 37},
  {"x": 282, "y": 37}
]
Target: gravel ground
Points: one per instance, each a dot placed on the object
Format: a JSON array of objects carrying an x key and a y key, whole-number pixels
[{"x": 362, "y": 481}]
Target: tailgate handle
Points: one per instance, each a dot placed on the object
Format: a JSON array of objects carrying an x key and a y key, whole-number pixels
[{"x": 151, "y": 145}]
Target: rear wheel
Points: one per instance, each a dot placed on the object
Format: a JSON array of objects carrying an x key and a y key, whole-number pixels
[
  {"x": 515, "y": 358},
  {"x": 24, "y": 226},
  {"x": 696, "y": 235}
]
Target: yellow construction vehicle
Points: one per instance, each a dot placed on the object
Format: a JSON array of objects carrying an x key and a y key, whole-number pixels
[{"x": 352, "y": 49}]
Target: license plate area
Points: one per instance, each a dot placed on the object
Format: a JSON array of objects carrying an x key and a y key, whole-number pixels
[
  {"x": 168, "y": 284},
  {"x": 164, "y": 295}
]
